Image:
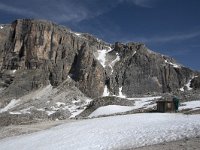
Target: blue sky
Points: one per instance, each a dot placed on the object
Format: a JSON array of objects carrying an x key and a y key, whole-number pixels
[{"x": 170, "y": 27}]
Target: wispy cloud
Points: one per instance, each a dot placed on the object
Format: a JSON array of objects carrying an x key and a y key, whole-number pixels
[
  {"x": 167, "y": 38},
  {"x": 66, "y": 10},
  {"x": 14, "y": 10},
  {"x": 59, "y": 11},
  {"x": 56, "y": 11},
  {"x": 142, "y": 3},
  {"x": 177, "y": 37}
]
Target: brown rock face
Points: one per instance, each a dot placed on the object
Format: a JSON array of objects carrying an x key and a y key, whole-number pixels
[{"x": 39, "y": 45}]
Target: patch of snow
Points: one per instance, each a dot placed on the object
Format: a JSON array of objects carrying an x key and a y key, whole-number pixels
[
  {"x": 102, "y": 55},
  {"x": 190, "y": 105},
  {"x": 74, "y": 114},
  {"x": 182, "y": 89},
  {"x": 77, "y": 109},
  {"x": 109, "y": 49},
  {"x": 15, "y": 113},
  {"x": 112, "y": 64},
  {"x": 26, "y": 110},
  {"x": 106, "y": 91},
  {"x": 14, "y": 71},
  {"x": 188, "y": 85},
  {"x": 76, "y": 101},
  {"x": 173, "y": 64},
  {"x": 10, "y": 105},
  {"x": 98, "y": 40},
  {"x": 1, "y": 27},
  {"x": 110, "y": 109},
  {"x": 116, "y": 60},
  {"x": 121, "y": 94},
  {"x": 60, "y": 104},
  {"x": 145, "y": 102},
  {"x": 134, "y": 53},
  {"x": 78, "y": 34},
  {"x": 75, "y": 33},
  {"x": 50, "y": 112},
  {"x": 40, "y": 109},
  {"x": 116, "y": 132}
]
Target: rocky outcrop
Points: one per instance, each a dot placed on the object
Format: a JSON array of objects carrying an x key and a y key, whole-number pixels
[
  {"x": 195, "y": 83},
  {"x": 142, "y": 71}
]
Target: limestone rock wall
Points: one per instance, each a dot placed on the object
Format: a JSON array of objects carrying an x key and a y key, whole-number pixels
[{"x": 40, "y": 45}]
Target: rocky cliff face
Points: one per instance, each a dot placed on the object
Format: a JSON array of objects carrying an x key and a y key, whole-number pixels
[
  {"x": 142, "y": 71},
  {"x": 50, "y": 50},
  {"x": 42, "y": 52},
  {"x": 35, "y": 54}
]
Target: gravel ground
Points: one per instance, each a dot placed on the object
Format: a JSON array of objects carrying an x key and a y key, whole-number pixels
[
  {"x": 15, "y": 130},
  {"x": 185, "y": 144}
]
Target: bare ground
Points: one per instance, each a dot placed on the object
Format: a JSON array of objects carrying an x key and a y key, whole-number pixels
[
  {"x": 15, "y": 130},
  {"x": 184, "y": 144}
]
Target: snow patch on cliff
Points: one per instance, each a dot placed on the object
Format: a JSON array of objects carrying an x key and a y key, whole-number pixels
[
  {"x": 102, "y": 55},
  {"x": 187, "y": 85},
  {"x": 112, "y": 64},
  {"x": 106, "y": 91},
  {"x": 173, "y": 64},
  {"x": 121, "y": 94}
]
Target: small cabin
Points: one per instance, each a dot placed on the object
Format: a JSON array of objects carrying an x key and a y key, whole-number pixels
[{"x": 165, "y": 106}]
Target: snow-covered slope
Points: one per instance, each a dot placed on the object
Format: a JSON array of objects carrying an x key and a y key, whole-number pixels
[
  {"x": 117, "y": 132},
  {"x": 109, "y": 110},
  {"x": 140, "y": 103}
]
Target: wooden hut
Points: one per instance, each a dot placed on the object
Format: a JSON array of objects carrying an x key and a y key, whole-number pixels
[{"x": 165, "y": 106}]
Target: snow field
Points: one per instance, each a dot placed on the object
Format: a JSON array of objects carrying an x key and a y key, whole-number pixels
[
  {"x": 109, "y": 110},
  {"x": 194, "y": 105},
  {"x": 116, "y": 132}
]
